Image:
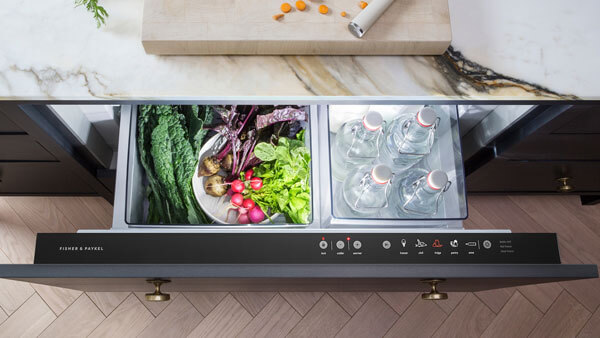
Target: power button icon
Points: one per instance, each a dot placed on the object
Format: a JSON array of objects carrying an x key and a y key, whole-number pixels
[{"x": 487, "y": 244}]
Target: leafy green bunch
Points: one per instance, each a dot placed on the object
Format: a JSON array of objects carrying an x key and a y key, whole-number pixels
[{"x": 285, "y": 172}]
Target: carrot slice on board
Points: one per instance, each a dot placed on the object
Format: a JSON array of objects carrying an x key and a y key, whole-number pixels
[
  {"x": 363, "y": 4},
  {"x": 323, "y": 9},
  {"x": 300, "y": 5},
  {"x": 285, "y": 7},
  {"x": 277, "y": 16},
  {"x": 343, "y": 14}
]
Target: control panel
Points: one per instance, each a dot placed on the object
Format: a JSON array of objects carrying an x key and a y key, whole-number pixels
[{"x": 297, "y": 248}]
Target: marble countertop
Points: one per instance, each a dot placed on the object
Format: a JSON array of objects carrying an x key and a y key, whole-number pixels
[{"x": 511, "y": 49}]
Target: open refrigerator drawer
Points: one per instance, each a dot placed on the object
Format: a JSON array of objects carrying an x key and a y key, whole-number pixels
[
  {"x": 325, "y": 187},
  {"x": 336, "y": 217}
]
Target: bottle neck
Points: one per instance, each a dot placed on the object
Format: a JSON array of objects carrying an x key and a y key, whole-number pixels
[
  {"x": 364, "y": 133},
  {"x": 370, "y": 184},
  {"x": 415, "y": 131}
]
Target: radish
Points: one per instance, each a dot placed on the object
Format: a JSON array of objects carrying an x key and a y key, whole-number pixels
[
  {"x": 256, "y": 183},
  {"x": 237, "y": 199},
  {"x": 256, "y": 215},
  {"x": 237, "y": 186},
  {"x": 248, "y": 174},
  {"x": 248, "y": 204},
  {"x": 243, "y": 219}
]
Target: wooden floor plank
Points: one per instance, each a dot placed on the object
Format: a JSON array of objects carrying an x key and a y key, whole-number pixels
[
  {"x": 517, "y": 319},
  {"x": 226, "y": 320},
  {"x": 496, "y": 299},
  {"x": 79, "y": 214},
  {"x": 107, "y": 301},
  {"x": 253, "y": 302},
  {"x": 79, "y": 320},
  {"x": 302, "y": 301},
  {"x": 399, "y": 301},
  {"x": 325, "y": 319},
  {"x": 100, "y": 208},
  {"x": 350, "y": 301},
  {"x": 454, "y": 298},
  {"x": 276, "y": 319},
  {"x": 155, "y": 307},
  {"x": 205, "y": 302},
  {"x": 373, "y": 319},
  {"x": 128, "y": 320},
  {"x": 589, "y": 215},
  {"x": 542, "y": 295},
  {"x": 177, "y": 320},
  {"x": 57, "y": 298},
  {"x": 469, "y": 319},
  {"x": 12, "y": 293},
  {"x": 592, "y": 327},
  {"x": 17, "y": 241},
  {"x": 421, "y": 319},
  {"x": 565, "y": 318},
  {"x": 33, "y": 317},
  {"x": 41, "y": 214}
]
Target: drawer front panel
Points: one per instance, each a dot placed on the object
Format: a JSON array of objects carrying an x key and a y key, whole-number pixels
[
  {"x": 22, "y": 148},
  {"x": 40, "y": 178},
  {"x": 7, "y": 126},
  {"x": 526, "y": 176}
]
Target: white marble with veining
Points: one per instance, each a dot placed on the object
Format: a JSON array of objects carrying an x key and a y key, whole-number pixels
[{"x": 49, "y": 49}]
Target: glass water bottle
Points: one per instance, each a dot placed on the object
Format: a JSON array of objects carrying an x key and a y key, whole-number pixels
[
  {"x": 408, "y": 139},
  {"x": 420, "y": 192},
  {"x": 367, "y": 191},
  {"x": 357, "y": 143}
]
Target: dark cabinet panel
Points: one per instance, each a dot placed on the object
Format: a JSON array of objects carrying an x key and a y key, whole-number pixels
[
  {"x": 22, "y": 148},
  {"x": 529, "y": 176},
  {"x": 7, "y": 126},
  {"x": 571, "y": 135},
  {"x": 40, "y": 178}
]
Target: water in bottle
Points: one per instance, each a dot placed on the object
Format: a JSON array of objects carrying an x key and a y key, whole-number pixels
[
  {"x": 357, "y": 143},
  {"x": 420, "y": 191},
  {"x": 408, "y": 139},
  {"x": 368, "y": 189}
]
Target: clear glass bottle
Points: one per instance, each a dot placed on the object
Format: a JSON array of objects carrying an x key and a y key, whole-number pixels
[
  {"x": 420, "y": 191},
  {"x": 408, "y": 139},
  {"x": 356, "y": 143},
  {"x": 367, "y": 191}
]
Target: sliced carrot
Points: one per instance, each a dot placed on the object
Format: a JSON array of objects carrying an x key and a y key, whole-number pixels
[
  {"x": 300, "y": 5},
  {"x": 363, "y": 4},
  {"x": 323, "y": 9},
  {"x": 285, "y": 7},
  {"x": 343, "y": 14},
  {"x": 277, "y": 16}
]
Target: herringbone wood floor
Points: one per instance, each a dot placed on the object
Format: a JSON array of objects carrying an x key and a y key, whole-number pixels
[{"x": 552, "y": 310}]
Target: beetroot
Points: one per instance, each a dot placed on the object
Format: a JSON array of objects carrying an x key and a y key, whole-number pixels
[{"x": 256, "y": 215}]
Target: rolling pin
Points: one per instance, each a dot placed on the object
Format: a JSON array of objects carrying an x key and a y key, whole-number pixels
[{"x": 367, "y": 17}]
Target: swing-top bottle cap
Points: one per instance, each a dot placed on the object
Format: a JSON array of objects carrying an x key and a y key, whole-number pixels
[
  {"x": 372, "y": 121},
  {"x": 437, "y": 179},
  {"x": 426, "y": 117},
  {"x": 381, "y": 174}
]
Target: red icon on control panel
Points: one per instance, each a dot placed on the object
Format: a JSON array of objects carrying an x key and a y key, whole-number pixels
[{"x": 437, "y": 244}]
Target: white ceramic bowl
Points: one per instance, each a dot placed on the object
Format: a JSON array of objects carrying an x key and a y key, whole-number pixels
[{"x": 215, "y": 207}]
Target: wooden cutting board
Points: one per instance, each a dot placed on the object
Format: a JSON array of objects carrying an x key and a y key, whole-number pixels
[{"x": 408, "y": 27}]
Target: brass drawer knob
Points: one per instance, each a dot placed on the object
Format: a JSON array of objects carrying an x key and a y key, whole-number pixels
[
  {"x": 158, "y": 296},
  {"x": 434, "y": 294},
  {"x": 564, "y": 185}
]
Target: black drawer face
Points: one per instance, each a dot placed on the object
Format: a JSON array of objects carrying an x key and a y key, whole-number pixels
[
  {"x": 534, "y": 176},
  {"x": 22, "y": 148},
  {"x": 7, "y": 126},
  {"x": 40, "y": 178}
]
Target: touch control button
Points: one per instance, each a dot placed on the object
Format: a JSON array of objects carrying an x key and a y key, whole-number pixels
[
  {"x": 487, "y": 244},
  {"x": 357, "y": 245},
  {"x": 340, "y": 244},
  {"x": 323, "y": 245},
  {"x": 386, "y": 244}
]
